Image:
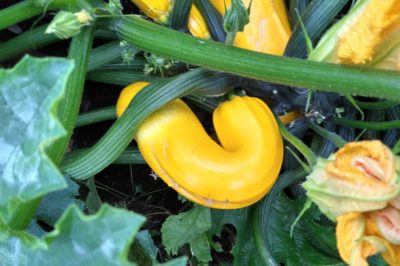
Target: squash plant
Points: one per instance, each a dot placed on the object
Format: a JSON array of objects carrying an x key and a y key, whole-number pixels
[{"x": 283, "y": 99}]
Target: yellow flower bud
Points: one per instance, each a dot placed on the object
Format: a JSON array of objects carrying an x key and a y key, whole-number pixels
[
  {"x": 84, "y": 17},
  {"x": 233, "y": 174}
]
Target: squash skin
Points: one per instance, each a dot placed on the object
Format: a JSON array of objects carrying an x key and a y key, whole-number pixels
[
  {"x": 232, "y": 175},
  {"x": 160, "y": 10},
  {"x": 268, "y": 30}
]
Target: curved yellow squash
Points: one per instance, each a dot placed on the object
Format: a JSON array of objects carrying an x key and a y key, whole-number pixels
[
  {"x": 233, "y": 174},
  {"x": 268, "y": 30}
]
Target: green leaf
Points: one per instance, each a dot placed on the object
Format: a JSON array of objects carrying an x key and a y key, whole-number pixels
[
  {"x": 28, "y": 99},
  {"x": 197, "y": 227},
  {"x": 100, "y": 239},
  {"x": 52, "y": 207},
  {"x": 244, "y": 250},
  {"x": 188, "y": 228},
  {"x": 182, "y": 261},
  {"x": 145, "y": 240},
  {"x": 377, "y": 260},
  {"x": 93, "y": 201},
  {"x": 143, "y": 251},
  {"x": 303, "y": 248},
  {"x": 54, "y": 204},
  {"x": 201, "y": 248}
]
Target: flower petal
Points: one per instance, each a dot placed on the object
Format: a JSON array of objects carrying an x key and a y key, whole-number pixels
[
  {"x": 349, "y": 229},
  {"x": 361, "y": 177},
  {"x": 388, "y": 223}
]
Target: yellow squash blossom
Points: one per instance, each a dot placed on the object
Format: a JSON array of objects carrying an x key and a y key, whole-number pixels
[
  {"x": 362, "y": 176},
  {"x": 233, "y": 174},
  {"x": 268, "y": 30},
  {"x": 369, "y": 34},
  {"x": 359, "y": 187},
  {"x": 160, "y": 11},
  {"x": 360, "y": 235}
]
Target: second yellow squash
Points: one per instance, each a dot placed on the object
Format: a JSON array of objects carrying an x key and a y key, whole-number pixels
[{"x": 234, "y": 173}]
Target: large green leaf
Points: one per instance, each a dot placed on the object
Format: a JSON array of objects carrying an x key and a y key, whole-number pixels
[
  {"x": 197, "y": 227},
  {"x": 303, "y": 248},
  {"x": 188, "y": 228},
  {"x": 100, "y": 239},
  {"x": 28, "y": 98},
  {"x": 244, "y": 250},
  {"x": 54, "y": 204}
]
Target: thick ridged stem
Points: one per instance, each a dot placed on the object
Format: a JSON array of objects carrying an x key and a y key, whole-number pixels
[
  {"x": 99, "y": 115},
  {"x": 27, "y": 9},
  {"x": 367, "y": 124},
  {"x": 67, "y": 114},
  {"x": 287, "y": 71},
  {"x": 17, "y": 13},
  {"x": 68, "y": 109},
  {"x": 152, "y": 97},
  {"x": 31, "y": 39}
]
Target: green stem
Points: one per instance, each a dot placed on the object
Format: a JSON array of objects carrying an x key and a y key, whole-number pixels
[
  {"x": 104, "y": 54},
  {"x": 99, "y": 115},
  {"x": 128, "y": 156},
  {"x": 37, "y": 38},
  {"x": 120, "y": 134},
  {"x": 332, "y": 136},
  {"x": 206, "y": 103},
  {"x": 23, "y": 214},
  {"x": 180, "y": 15},
  {"x": 281, "y": 70},
  {"x": 230, "y": 38},
  {"x": 366, "y": 124},
  {"x": 121, "y": 78},
  {"x": 377, "y": 105},
  {"x": 27, "y": 9},
  {"x": 396, "y": 148},
  {"x": 68, "y": 109},
  {"x": 31, "y": 39},
  {"x": 137, "y": 65},
  {"x": 67, "y": 114},
  {"x": 108, "y": 113},
  {"x": 17, "y": 13},
  {"x": 308, "y": 154}
]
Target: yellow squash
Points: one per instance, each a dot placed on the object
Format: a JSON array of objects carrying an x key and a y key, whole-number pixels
[
  {"x": 234, "y": 173},
  {"x": 160, "y": 10},
  {"x": 268, "y": 30}
]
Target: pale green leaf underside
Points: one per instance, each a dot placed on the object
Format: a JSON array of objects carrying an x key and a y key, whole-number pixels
[
  {"x": 100, "y": 239},
  {"x": 28, "y": 97}
]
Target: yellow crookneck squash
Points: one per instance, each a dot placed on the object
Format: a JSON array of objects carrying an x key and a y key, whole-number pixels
[
  {"x": 160, "y": 10},
  {"x": 268, "y": 30},
  {"x": 233, "y": 174}
]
